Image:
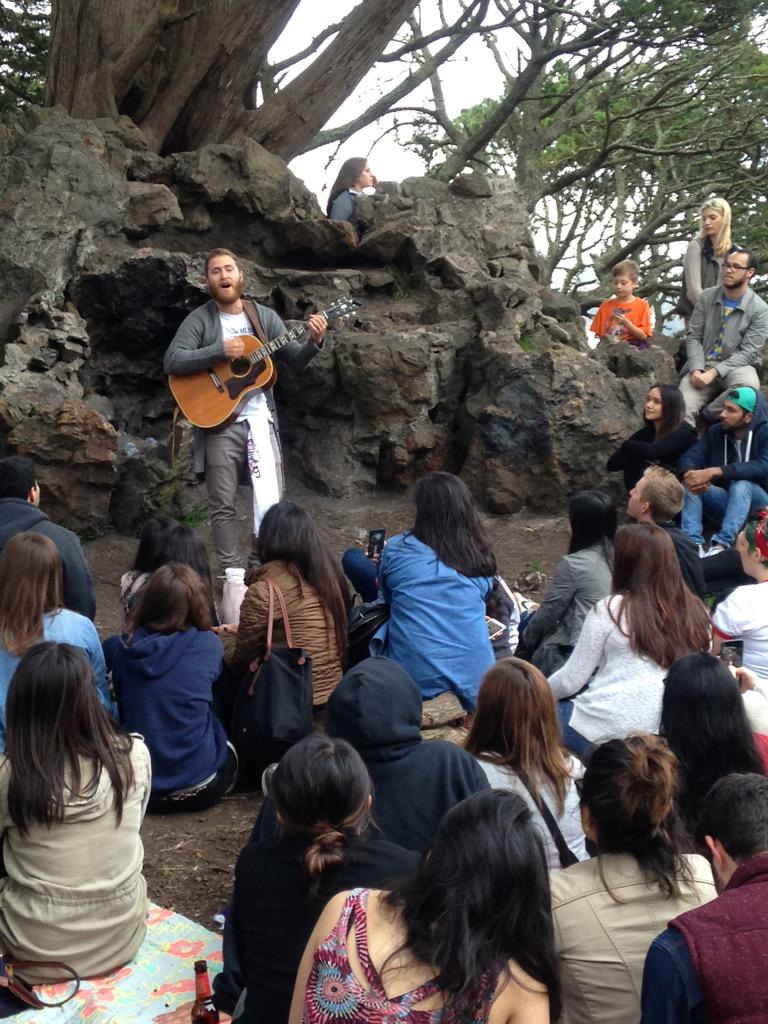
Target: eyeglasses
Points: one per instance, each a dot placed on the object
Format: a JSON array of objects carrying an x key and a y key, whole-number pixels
[{"x": 734, "y": 266}]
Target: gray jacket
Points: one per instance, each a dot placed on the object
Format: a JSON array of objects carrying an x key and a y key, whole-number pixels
[
  {"x": 199, "y": 342},
  {"x": 580, "y": 581},
  {"x": 746, "y": 330}
]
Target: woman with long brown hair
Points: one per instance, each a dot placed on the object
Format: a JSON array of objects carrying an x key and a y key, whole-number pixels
[
  {"x": 354, "y": 176},
  {"x": 516, "y": 738},
  {"x": 164, "y": 671},
  {"x": 73, "y": 791},
  {"x": 295, "y": 556},
  {"x": 628, "y": 641},
  {"x": 31, "y": 610},
  {"x": 436, "y": 578}
]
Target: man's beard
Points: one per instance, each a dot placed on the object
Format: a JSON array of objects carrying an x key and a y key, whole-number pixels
[{"x": 227, "y": 296}]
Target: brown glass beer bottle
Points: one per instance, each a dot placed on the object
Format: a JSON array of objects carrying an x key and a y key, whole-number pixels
[{"x": 203, "y": 1010}]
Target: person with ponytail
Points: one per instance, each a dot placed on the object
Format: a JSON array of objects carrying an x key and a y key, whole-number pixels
[
  {"x": 322, "y": 795},
  {"x": 609, "y": 909},
  {"x": 466, "y": 940}
]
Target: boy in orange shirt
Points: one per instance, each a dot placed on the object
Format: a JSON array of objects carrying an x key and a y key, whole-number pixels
[{"x": 625, "y": 317}]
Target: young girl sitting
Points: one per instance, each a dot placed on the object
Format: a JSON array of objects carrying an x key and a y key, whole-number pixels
[{"x": 163, "y": 673}]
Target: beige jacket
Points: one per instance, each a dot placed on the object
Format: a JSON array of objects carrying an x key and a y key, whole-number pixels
[
  {"x": 603, "y": 943},
  {"x": 75, "y": 892},
  {"x": 311, "y": 626}
]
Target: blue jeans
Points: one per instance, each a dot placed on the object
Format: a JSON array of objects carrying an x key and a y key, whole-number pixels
[
  {"x": 579, "y": 744},
  {"x": 361, "y": 573},
  {"x": 727, "y": 508}
]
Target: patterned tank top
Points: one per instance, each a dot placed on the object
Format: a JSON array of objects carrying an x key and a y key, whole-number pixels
[{"x": 334, "y": 993}]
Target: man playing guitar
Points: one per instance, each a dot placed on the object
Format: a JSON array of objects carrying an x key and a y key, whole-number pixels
[{"x": 247, "y": 443}]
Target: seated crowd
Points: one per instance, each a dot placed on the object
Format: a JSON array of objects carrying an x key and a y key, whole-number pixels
[{"x": 585, "y": 854}]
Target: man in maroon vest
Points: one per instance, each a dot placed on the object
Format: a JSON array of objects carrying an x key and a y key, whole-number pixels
[{"x": 711, "y": 964}]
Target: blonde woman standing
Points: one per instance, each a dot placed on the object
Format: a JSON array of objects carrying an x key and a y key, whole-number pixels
[{"x": 704, "y": 257}]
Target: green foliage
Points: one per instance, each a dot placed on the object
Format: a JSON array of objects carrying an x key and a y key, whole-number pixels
[
  {"x": 24, "y": 32},
  {"x": 614, "y": 154},
  {"x": 196, "y": 517},
  {"x": 527, "y": 342}
]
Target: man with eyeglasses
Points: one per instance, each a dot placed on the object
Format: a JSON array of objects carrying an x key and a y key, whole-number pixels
[{"x": 726, "y": 334}]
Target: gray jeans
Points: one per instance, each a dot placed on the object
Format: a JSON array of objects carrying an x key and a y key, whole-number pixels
[
  {"x": 697, "y": 398},
  {"x": 225, "y": 468}
]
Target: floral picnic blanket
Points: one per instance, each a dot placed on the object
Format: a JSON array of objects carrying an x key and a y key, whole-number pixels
[{"x": 158, "y": 980}]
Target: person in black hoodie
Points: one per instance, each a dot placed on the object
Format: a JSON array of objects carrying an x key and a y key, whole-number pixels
[
  {"x": 19, "y": 513},
  {"x": 726, "y": 472},
  {"x": 377, "y": 708}
]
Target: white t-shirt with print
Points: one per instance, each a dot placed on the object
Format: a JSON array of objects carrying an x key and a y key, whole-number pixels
[
  {"x": 743, "y": 615},
  {"x": 232, "y": 326}
]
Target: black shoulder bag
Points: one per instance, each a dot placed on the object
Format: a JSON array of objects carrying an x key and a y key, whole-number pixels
[{"x": 274, "y": 704}]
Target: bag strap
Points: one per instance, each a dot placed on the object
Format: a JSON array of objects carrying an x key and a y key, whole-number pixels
[
  {"x": 253, "y": 315},
  {"x": 566, "y": 854},
  {"x": 28, "y": 995},
  {"x": 275, "y": 591}
]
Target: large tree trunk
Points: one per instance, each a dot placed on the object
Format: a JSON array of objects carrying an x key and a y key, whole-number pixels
[
  {"x": 288, "y": 121},
  {"x": 184, "y": 70}
]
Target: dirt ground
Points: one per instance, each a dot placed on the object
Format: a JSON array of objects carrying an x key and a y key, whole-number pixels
[{"x": 189, "y": 858}]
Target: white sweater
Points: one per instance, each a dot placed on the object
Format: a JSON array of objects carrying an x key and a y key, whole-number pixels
[{"x": 625, "y": 689}]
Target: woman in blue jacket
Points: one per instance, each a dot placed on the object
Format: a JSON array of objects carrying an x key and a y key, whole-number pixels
[
  {"x": 436, "y": 578},
  {"x": 163, "y": 673}
]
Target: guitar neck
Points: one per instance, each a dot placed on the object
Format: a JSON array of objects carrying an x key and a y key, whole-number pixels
[{"x": 270, "y": 347}]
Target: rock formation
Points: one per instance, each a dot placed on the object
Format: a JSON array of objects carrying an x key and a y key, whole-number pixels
[{"x": 458, "y": 358}]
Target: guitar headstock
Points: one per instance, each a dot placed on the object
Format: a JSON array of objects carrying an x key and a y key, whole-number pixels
[{"x": 341, "y": 307}]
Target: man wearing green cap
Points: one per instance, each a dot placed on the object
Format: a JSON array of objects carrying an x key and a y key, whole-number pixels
[
  {"x": 726, "y": 472},
  {"x": 726, "y": 334}
]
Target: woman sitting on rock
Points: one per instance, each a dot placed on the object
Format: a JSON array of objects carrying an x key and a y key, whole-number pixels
[
  {"x": 163, "y": 673},
  {"x": 609, "y": 909},
  {"x": 31, "y": 600},
  {"x": 516, "y": 739},
  {"x": 661, "y": 441},
  {"x": 582, "y": 577},
  {"x": 354, "y": 176},
  {"x": 468, "y": 938},
  {"x": 436, "y": 578},
  {"x": 73, "y": 791},
  {"x": 322, "y": 795},
  {"x": 613, "y": 682},
  {"x": 294, "y": 555}
]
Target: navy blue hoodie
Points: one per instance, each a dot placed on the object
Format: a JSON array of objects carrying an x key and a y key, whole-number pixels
[
  {"x": 164, "y": 691},
  {"x": 717, "y": 448},
  {"x": 377, "y": 708}
]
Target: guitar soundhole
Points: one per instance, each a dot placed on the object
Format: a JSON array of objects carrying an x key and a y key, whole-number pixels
[{"x": 240, "y": 367}]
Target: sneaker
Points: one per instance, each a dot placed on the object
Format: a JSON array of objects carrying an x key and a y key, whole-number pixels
[
  {"x": 701, "y": 552},
  {"x": 714, "y": 549}
]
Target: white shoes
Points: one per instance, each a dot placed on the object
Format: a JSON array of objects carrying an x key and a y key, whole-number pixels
[{"x": 714, "y": 549}]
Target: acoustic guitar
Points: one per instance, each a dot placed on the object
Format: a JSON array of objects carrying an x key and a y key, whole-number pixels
[{"x": 212, "y": 396}]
